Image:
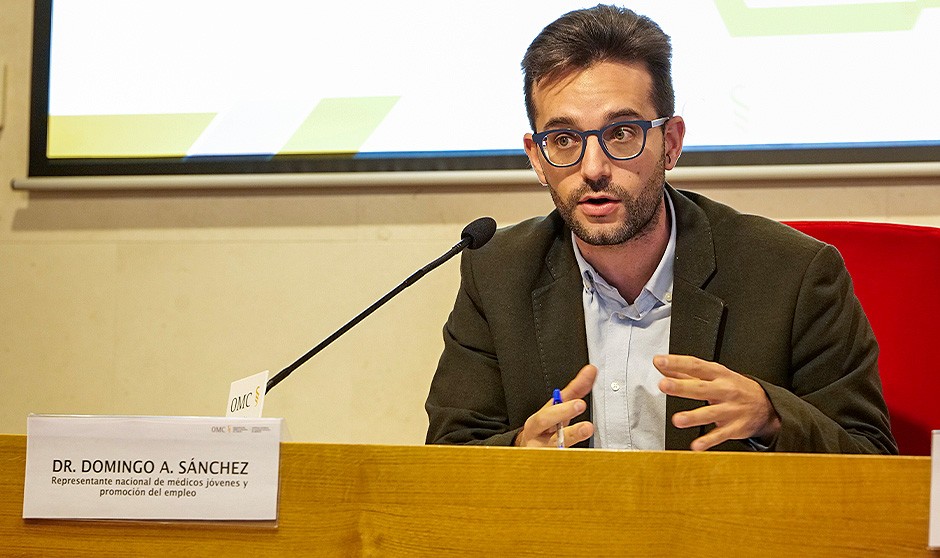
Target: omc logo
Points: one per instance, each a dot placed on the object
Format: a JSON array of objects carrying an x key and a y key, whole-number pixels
[{"x": 245, "y": 401}]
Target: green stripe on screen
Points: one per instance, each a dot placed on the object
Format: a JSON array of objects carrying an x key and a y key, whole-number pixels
[
  {"x": 743, "y": 21},
  {"x": 124, "y": 135},
  {"x": 339, "y": 125}
]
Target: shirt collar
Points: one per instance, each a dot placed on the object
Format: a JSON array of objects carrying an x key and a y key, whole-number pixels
[{"x": 659, "y": 284}]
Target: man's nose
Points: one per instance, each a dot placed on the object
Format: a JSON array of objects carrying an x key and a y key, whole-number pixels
[{"x": 595, "y": 165}]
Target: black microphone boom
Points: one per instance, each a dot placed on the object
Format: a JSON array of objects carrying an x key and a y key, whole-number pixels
[{"x": 473, "y": 236}]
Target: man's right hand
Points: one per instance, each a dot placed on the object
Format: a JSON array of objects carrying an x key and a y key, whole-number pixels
[{"x": 540, "y": 428}]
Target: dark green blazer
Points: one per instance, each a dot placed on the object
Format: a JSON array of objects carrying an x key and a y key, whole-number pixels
[{"x": 750, "y": 293}]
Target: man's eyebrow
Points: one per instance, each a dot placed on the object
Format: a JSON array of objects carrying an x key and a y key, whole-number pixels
[
  {"x": 629, "y": 114},
  {"x": 559, "y": 122}
]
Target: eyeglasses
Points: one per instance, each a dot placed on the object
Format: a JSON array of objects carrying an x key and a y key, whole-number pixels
[{"x": 620, "y": 141}]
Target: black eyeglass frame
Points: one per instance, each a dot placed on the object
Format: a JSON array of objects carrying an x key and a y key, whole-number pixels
[{"x": 645, "y": 125}]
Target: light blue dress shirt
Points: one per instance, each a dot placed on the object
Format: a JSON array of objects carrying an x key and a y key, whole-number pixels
[{"x": 628, "y": 410}]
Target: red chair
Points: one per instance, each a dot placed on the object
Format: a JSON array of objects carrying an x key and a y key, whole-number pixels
[{"x": 896, "y": 273}]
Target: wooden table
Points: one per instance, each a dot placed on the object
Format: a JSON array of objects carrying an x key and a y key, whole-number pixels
[{"x": 354, "y": 500}]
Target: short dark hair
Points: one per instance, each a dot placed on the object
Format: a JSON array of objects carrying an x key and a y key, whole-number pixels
[{"x": 582, "y": 38}]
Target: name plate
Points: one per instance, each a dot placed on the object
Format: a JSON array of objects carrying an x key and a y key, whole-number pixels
[{"x": 152, "y": 468}]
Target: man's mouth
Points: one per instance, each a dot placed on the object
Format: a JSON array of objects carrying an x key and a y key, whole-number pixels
[
  {"x": 598, "y": 200},
  {"x": 598, "y": 206}
]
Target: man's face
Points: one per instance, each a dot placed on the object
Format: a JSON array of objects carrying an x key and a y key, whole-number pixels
[{"x": 605, "y": 201}]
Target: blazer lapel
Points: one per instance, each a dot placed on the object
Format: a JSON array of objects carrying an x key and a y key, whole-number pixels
[
  {"x": 559, "y": 318},
  {"x": 696, "y": 314}
]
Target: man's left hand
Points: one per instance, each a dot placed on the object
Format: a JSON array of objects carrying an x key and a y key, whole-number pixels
[{"x": 737, "y": 405}]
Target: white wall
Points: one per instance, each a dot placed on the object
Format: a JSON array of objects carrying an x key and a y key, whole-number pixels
[{"x": 153, "y": 302}]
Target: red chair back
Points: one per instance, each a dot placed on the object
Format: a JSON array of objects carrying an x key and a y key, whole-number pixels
[{"x": 896, "y": 273}]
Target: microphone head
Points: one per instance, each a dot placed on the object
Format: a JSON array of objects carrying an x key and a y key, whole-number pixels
[{"x": 479, "y": 232}]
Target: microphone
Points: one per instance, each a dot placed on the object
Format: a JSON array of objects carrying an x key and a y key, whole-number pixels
[{"x": 473, "y": 236}]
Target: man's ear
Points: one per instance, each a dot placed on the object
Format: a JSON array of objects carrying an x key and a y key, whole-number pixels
[
  {"x": 674, "y": 133},
  {"x": 535, "y": 157}
]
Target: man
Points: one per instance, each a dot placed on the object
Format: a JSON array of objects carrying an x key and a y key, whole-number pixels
[{"x": 704, "y": 328}]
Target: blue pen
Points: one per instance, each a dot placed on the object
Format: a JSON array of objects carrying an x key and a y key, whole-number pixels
[{"x": 556, "y": 399}]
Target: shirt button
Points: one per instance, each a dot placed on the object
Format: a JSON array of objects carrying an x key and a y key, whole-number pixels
[
  {"x": 668, "y": 297},
  {"x": 615, "y": 386}
]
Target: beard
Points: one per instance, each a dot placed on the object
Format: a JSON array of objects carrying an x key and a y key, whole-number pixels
[{"x": 640, "y": 208}]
